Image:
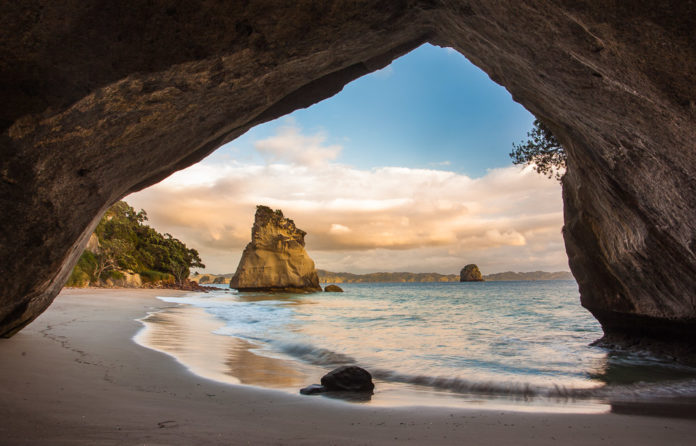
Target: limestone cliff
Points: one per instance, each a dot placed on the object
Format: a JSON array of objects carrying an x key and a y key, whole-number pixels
[{"x": 275, "y": 259}]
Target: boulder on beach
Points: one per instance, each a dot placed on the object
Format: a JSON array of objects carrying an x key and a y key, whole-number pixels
[
  {"x": 275, "y": 259},
  {"x": 333, "y": 289},
  {"x": 347, "y": 378},
  {"x": 470, "y": 273},
  {"x": 313, "y": 389}
]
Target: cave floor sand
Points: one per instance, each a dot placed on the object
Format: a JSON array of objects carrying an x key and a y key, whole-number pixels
[{"x": 75, "y": 376}]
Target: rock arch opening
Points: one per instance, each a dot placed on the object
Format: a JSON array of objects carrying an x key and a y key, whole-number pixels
[
  {"x": 407, "y": 169},
  {"x": 95, "y": 114}
]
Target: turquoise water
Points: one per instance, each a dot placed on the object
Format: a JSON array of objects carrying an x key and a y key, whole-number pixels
[{"x": 513, "y": 339}]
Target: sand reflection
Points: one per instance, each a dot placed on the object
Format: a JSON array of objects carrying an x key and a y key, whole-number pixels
[
  {"x": 186, "y": 333},
  {"x": 286, "y": 299}
]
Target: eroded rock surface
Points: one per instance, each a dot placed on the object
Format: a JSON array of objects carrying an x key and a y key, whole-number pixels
[
  {"x": 100, "y": 100},
  {"x": 470, "y": 273},
  {"x": 275, "y": 259}
]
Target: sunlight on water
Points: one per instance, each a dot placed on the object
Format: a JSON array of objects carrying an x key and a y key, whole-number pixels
[{"x": 520, "y": 341}]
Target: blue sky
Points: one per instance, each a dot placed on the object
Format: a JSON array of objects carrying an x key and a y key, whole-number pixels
[
  {"x": 406, "y": 169},
  {"x": 431, "y": 108}
]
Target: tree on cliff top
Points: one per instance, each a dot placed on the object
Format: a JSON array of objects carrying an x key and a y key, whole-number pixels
[
  {"x": 126, "y": 243},
  {"x": 543, "y": 150}
]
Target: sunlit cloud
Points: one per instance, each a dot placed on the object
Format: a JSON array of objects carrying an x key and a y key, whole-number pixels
[
  {"x": 339, "y": 229},
  {"x": 382, "y": 219},
  {"x": 289, "y": 145}
]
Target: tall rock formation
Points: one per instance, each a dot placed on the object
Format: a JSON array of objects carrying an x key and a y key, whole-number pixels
[
  {"x": 470, "y": 273},
  {"x": 275, "y": 259}
]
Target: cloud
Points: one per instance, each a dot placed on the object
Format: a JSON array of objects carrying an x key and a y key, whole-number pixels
[
  {"x": 339, "y": 229},
  {"x": 289, "y": 145},
  {"x": 441, "y": 163},
  {"x": 388, "y": 218}
]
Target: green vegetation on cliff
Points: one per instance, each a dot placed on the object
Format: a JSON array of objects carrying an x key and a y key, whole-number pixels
[
  {"x": 542, "y": 150},
  {"x": 126, "y": 245}
]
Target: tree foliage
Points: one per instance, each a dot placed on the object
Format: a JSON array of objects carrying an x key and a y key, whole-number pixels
[
  {"x": 126, "y": 243},
  {"x": 542, "y": 150}
]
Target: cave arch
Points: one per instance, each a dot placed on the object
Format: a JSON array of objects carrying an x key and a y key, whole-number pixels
[{"x": 107, "y": 99}]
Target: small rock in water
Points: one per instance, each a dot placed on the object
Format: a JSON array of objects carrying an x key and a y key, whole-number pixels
[
  {"x": 470, "y": 273},
  {"x": 333, "y": 289},
  {"x": 313, "y": 389},
  {"x": 348, "y": 378}
]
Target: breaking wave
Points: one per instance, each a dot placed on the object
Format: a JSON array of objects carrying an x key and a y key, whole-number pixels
[
  {"x": 510, "y": 340},
  {"x": 630, "y": 392},
  {"x": 511, "y": 389},
  {"x": 316, "y": 356}
]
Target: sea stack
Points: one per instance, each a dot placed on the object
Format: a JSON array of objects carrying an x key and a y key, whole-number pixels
[
  {"x": 470, "y": 273},
  {"x": 276, "y": 259}
]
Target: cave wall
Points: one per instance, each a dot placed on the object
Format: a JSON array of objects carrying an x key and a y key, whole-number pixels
[{"x": 106, "y": 98}]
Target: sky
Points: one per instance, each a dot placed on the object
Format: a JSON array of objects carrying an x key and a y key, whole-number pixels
[{"x": 406, "y": 169}]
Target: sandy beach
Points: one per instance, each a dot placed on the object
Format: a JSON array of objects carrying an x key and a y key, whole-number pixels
[{"x": 75, "y": 376}]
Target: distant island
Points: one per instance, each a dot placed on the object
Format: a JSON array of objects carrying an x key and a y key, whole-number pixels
[
  {"x": 471, "y": 273},
  {"x": 534, "y": 275},
  {"x": 331, "y": 277}
]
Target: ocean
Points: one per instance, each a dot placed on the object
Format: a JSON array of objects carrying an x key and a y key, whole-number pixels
[{"x": 520, "y": 344}]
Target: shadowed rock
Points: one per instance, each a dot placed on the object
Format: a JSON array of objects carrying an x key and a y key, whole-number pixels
[
  {"x": 95, "y": 108},
  {"x": 333, "y": 289},
  {"x": 470, "y": 273},
  {"x": 347, "y": 378},
  {"x": 313, "y": 389}
]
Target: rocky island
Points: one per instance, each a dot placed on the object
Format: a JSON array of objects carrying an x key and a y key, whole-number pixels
[
  {"x": 275, "y": 259},
  {"x": 470, "y": 273}
]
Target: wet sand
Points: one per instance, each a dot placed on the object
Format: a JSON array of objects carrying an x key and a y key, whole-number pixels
[
  {"x": 75, "y": 376},
  {"x": 186, "y": 333}
]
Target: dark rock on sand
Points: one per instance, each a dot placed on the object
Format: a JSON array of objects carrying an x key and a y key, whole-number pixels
[
  {"x": 470, "y": 273},
  {"x": 348, "y": 378},
  {"x": 333, "y": 289},
  {"x": 313, "y": 389}
]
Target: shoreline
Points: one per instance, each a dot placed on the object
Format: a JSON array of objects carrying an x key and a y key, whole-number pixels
[
  {"x": 186, "y": 333},
  {"x": 75, "y": 376}
]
